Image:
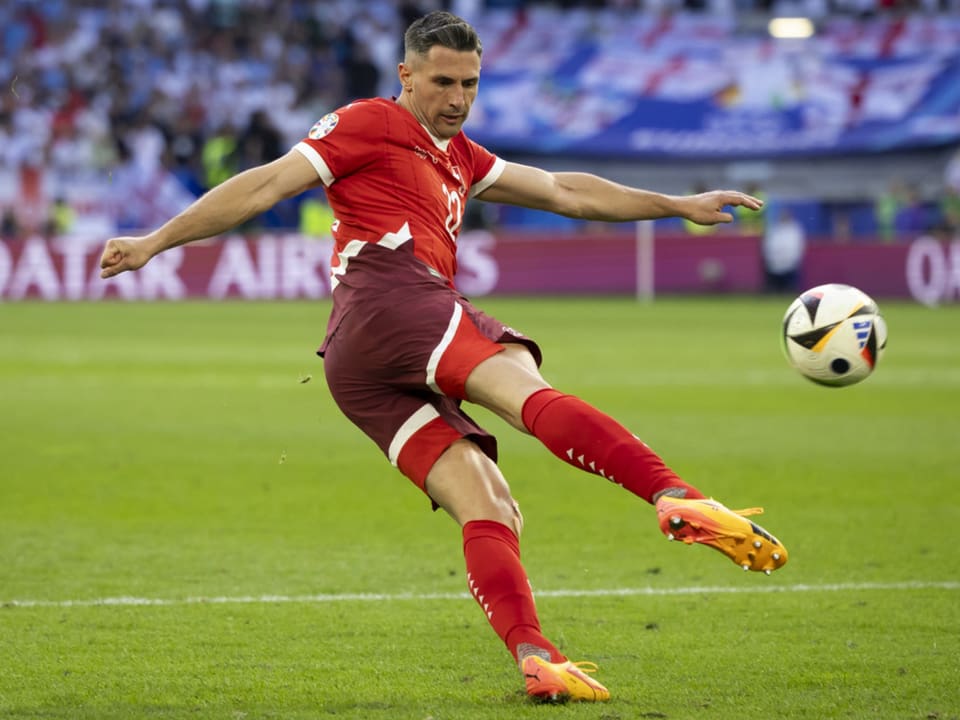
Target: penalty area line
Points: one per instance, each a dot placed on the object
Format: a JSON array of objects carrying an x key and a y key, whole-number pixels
[{"x": 127, "y": 601}]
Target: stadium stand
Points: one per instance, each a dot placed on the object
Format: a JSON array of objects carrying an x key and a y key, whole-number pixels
[{"x": 117, "y": 114}]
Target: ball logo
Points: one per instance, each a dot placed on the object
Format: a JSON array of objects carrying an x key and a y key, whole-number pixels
[
  {"x": 324, "y": 126},
  {"x": 862, "y": 329}
]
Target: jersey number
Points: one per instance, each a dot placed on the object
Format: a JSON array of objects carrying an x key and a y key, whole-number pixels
[{"x": 454, "y": 212}]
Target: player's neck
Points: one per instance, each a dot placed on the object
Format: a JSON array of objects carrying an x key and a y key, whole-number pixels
[{"x": 439, "y": 142}]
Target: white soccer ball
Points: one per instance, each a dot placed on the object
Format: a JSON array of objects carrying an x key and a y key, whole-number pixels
[{"x": 834, "y": 334}]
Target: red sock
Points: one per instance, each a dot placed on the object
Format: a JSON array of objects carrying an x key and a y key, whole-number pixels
[
  {"x": 587, "y": 439},
  {"x": 499, "y": 583}
]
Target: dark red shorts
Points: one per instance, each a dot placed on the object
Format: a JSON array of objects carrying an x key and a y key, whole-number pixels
[{"x": 396, "y": 364}]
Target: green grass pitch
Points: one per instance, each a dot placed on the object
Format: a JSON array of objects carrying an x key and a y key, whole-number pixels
[{"x": 265, "y": 561}]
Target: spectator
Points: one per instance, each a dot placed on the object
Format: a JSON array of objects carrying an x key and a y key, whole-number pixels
[
  {"x": 949, "y": 212},
  {"x": 9, "y": 227},
  {"x": 885, "y": 210},
  {"x": 362, "y": 75},
  {"x": 316, "y": 217},
  {"x": 783, "y": 248},
  {"x": 260, "y": 141},
  {"x": 949, "y": 203},
  {"x": 913, "y": 217},
  {"x": 951, "y": 175},
  {"x": 219, "y": 156}
]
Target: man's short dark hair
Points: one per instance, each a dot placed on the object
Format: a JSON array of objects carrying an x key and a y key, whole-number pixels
[{"x": 444, "y": 29}]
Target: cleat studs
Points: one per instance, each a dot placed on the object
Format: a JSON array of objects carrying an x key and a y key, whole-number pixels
[
  {"x": 767, "y": 571},
  {"x": 776, "y": 556},
  {"x": 757, "y": 544},
  {"x": 746, "y": 566},
  {"x": 676, "y": 521},
  {"x": 670, "y": 536}
]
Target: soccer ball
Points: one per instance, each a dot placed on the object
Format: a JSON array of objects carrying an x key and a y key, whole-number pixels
[{"x": 834, "y": 334}]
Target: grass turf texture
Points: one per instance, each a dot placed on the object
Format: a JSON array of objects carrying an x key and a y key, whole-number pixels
[{"x": 176, "y": 451}]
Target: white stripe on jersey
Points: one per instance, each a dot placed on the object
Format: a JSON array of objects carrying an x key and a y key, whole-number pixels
[
  {"x": 413, "y": 423},
  {"x": 438, "y": 351},
  {"x": 396, "y": 239},
  {"x": 349, "y": 250},
  {"x": 319, "y": 164},
  {"x": 352, "y": 248},
  {"x": 489, "y": 179}
]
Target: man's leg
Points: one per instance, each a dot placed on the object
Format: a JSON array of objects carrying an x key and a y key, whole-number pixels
[
  {"x": 510, "y": 385},
  {"x": 590, "y": 440},
  {"x": 469, "y": 486}
]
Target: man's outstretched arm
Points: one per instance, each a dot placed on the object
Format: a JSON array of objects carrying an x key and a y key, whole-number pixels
[
  {"x": 231, "y": 203},
  {"x": 589, "y": 197}
]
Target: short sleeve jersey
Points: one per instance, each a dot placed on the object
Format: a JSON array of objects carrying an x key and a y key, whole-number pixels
[{"x": 390, "y": 182}]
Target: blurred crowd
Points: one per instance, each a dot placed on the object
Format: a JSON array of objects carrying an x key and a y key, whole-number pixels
[
  {"x": 199, "y": 88},
  {"x": 163, "y": 99}
]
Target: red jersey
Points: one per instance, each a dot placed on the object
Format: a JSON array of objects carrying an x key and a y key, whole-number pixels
[{"x": 390, "y": 182}]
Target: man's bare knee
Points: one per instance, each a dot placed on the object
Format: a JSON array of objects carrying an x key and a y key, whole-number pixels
[
  {"x": 469, "y": 486},
  {"x": 517, "y": 519}
]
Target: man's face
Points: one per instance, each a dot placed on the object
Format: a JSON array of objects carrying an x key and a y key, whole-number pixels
[{"x": 439, "y": 89}]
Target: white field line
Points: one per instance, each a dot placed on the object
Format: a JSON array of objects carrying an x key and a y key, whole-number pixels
[{"x": 127, "y": 601}]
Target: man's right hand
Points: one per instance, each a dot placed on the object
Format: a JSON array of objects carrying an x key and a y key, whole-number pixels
[{"x": 122, "y": 254}]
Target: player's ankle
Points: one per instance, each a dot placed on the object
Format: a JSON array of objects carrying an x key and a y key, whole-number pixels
[
  {"x": 525, "y": 650},
  {"x": 678, "y": 491}
]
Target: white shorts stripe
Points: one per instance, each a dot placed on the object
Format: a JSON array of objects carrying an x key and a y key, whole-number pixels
[
  {"x": 413, "y": 423},
  {"x": 441, "y": 348}
]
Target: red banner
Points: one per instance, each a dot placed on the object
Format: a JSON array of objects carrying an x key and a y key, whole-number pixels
[{"x": 290, "y": 266}]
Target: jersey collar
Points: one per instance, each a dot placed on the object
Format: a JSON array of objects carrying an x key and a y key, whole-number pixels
[
  {"x": 438, "y": 142},
  {"x": 441, "y": 144}
]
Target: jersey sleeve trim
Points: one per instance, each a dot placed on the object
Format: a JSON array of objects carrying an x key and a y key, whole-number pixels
[
  {"x": 490, "y": 178},
  {"x": 319, "y": 164}
]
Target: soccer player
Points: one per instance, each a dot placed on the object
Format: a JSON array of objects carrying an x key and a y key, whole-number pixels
[{"x": 403, "y": 348}]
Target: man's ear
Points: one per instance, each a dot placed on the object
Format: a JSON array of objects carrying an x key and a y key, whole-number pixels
[{"x": 406, "y": 76}]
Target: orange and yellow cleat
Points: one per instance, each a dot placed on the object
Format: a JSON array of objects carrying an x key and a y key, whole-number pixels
[
  {"x": 561, "y": 682},
  {"x": 708, "y": 522}
]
